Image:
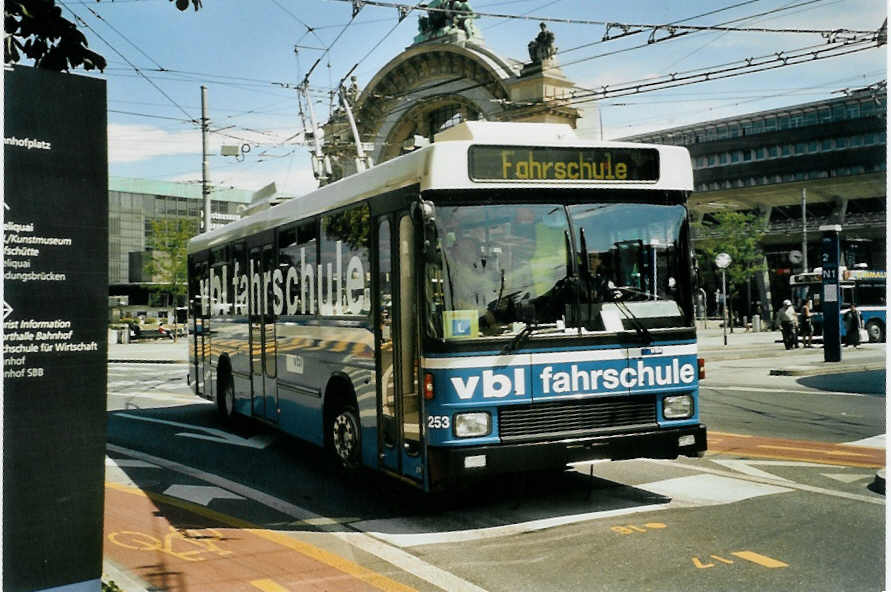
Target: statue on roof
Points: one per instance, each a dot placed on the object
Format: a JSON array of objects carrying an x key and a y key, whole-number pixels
[
  {"x": 542, "y": 48},
  {"x": 447, "y": 18}
]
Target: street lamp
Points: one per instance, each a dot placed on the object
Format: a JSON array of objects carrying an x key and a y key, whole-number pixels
[{"x": 722, "y": 260}]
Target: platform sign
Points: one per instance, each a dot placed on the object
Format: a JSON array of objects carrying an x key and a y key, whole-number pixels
[
  {"x": 830, "y": 252},
  {"x": 55, "y": 279}
]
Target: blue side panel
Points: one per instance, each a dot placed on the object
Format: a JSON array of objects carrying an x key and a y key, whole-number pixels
[{"x": 551, "y": 377}]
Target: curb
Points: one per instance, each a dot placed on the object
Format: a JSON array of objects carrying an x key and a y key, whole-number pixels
[
  {"x": 125, "y": 581},
  {"x": 816, "y": 370}
]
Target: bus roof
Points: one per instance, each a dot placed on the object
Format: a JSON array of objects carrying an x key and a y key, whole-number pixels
[{"x": 506, "y": 154}]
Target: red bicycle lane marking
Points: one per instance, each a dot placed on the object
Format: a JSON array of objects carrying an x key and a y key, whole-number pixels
[{"x": 178, "y": 546}]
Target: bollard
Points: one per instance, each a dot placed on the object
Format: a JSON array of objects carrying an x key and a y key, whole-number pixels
[{"x": 756, "y": 323}]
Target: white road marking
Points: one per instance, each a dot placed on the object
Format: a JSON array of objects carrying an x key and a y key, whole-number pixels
[
  {"x": 384, "y": 529},
  {"x": 129, "y": 463},
  {"x": 200, "y": 494},
  {"x": 848, "y": 477},
  {"x": 776, "y": 481},
  {"x": 746, "y": 466},
  {"x": 395, "y": 556},
  {"x": 755, "y": 389},
  {"x": 697, "y": 490},
  {"x": 872, "y": 442},
  {"x": 222, "y": 437}
]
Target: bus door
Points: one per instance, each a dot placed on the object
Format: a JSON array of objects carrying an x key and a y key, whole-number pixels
[
  {"x": 399, "y": 404},
  {"x": 201, "y": 329},
  {"x": 264, "y": 393}
]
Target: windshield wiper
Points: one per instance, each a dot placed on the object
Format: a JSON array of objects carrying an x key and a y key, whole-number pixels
[
  {"x": 520, "y": 338},
  {"x": 635, "y": 322}
]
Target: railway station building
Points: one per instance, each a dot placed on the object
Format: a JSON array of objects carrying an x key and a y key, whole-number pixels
[
  {"x": 829, "y": 155},
  {"x": 447, "y": 76},
  {"x": 798, "y": 167},
  {"x": 133, "y": 206}
]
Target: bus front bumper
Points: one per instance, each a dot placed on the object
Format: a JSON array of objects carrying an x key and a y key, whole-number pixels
[{"x": 457, "y": 464}]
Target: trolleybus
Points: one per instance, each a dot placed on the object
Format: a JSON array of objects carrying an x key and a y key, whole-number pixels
[
  {"x": 866, "y": 288},
  {"x": 508, "y": 298}
]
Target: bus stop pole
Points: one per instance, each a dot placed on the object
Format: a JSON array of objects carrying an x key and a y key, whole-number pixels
[
  {"x": 724, "y": 299},
  {"x": 830, "y": 258}
]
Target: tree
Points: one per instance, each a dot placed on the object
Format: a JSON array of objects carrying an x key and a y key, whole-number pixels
[
  {"x": 37, "y": 29},
  {"x": 166, "y": 266},
  {"x": 739, "y": 235}
]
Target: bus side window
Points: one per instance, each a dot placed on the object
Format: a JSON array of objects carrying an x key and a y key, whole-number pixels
[{"x": 390, "y": 432}]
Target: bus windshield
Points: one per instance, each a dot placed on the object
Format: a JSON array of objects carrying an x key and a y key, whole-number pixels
[{"x": 497, "y": 270}]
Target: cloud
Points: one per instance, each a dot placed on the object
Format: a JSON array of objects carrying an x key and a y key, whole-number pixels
[
  {"x": 132, "y": 143},
  {"x": 290, "y": 177},
  {"x": 136, "y": 142}
]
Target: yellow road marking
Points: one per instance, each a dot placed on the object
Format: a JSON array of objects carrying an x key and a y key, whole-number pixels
[
  {"x": 330, "y": 559},
  {"x": 767, "y": 455},
  {"x": 710, "y": 433},
  {"x": 268, "y": 586},
  {"x": 759, "y": 559},
  {"x": 721, "y": 559},
  {"x": 819, "y": 451},
  {"x": 701, "y": 565}
]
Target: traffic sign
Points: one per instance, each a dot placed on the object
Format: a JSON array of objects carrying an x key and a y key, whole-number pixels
[{"x": 723, "y": 260}]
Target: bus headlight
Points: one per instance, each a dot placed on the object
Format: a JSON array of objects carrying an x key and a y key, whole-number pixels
[
  {"x": 677, "y": 407},
  {"x": 470, "y": 425}
]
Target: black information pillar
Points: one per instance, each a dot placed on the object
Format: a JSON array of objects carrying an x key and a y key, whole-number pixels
[
  {"x": 55, "y": 279},
  {"x": 830, "y": 256}
]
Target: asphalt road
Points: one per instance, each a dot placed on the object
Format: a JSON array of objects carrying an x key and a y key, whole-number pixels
[{"x": 246, "y": 508}]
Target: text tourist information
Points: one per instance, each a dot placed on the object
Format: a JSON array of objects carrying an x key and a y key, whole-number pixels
[{"x": 55, "y": 279}]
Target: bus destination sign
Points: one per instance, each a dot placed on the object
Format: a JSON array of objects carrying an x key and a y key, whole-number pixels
[{"x": 517, "y": 163}]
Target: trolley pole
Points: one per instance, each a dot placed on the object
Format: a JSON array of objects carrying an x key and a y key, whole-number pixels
[{"x": 205, "y": 187}]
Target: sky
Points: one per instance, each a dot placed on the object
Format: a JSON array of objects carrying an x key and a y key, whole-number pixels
[{"x": 252, "y": 54}]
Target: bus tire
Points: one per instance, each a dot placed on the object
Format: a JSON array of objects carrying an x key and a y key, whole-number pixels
[
  {"x": 345, "y": 437},
  {"x": 876, "y": 331},
  {"x": 226, "y": 396}
]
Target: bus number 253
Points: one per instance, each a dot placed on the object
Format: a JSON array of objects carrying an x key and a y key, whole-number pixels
[{"x": 438, "y": 422}]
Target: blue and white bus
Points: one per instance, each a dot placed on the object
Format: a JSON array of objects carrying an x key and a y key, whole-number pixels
[
  {"x": 508, "y": 298},
  {"x": 866, "y": 288}
]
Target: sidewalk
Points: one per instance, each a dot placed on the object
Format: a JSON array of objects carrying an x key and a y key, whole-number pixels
[
  {"x": 763, "y": 350},
  {"x": 155, "y": 352}
]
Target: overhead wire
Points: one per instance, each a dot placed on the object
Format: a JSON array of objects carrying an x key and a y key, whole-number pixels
[
  {"x": 132, "y": 65},
  {"x": 789, "y": 7},
  {"x": 699, "y": 75},
  {"x": 709, "y": 13},
  {"x": 606, "y": 23},
  {"x": 746, "y": 100}
]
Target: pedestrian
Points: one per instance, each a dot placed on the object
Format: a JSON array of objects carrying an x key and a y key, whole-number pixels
[
  {"x": 853, "y": 324},
  {"x": 807, "y": 323},
  {"x": 164, "y": 331},
  {"x": 789, "y": 324}
]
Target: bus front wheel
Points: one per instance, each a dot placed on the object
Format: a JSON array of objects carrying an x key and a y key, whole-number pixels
[
  {"x": 876, "y": 331},
  {"x": 345, "y": 439}
]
